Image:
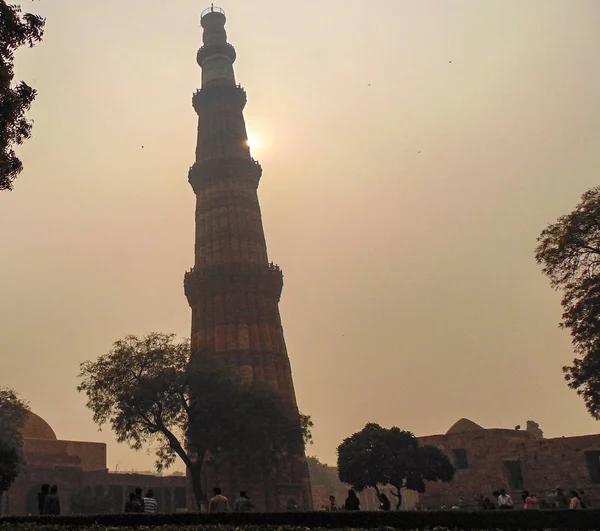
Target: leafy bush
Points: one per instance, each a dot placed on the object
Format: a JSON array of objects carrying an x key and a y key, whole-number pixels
[{"x": 496, "y": 520}]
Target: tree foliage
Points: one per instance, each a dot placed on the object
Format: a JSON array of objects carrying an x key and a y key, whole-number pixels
[
  {"x": 151, "y": 396},
  {"x": 376, "y": 457},
  {"x": 569, "y": 251},
  {"x": 307, "y": 425},
  {"x": 246, "y": 425},
  {"x": 10, "y": 461},
  {"x": 13, "y": 414},
  {"x": 16, "y": 29}
]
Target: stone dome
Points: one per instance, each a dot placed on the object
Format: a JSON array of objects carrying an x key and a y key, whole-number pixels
[
  {"x": 463, "y": 426},
  {"x": 36, "y": 427}
]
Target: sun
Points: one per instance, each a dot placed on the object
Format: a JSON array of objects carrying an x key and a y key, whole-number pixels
[{"x": 253, "y": 142}]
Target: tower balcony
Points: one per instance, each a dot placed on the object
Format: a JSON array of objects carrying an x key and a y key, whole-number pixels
[
  {"x": 211, "y": 50},
  {"x": 212, "y": 9},
  {"x": 200, "y": 282},
  {"x": 233, "y": 95},
  {"x": 213, "y": 170}
]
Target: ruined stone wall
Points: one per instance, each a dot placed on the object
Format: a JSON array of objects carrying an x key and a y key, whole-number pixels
[{"x": 544, "y": 464}]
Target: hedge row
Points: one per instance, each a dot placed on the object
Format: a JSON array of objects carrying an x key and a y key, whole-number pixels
[{"x": 510, "y": 520}]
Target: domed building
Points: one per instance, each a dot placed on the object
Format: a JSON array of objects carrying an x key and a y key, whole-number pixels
[
  {"x": 75, "y": 465},
  {"x": 37, "y": 428}
]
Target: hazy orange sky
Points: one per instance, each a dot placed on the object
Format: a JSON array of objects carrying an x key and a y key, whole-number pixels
[{"x": 402, "y": 195}]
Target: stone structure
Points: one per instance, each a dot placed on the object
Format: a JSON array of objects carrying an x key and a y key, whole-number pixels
[
  {"x": 232, "y": 289},
  {"x": 491, "y": 459},
  {"x": 74, "y": 465}
]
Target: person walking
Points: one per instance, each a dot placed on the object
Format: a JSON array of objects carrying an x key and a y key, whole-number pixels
[
  {"x": 218, "y": 503},
  {"x": 52, "y": 502},
  {"x": 243, "y": 503},
  {"x": 150, "y": 503},
  {"x": 352, "y": 501}
]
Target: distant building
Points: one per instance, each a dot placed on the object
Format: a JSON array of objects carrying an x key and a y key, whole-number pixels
[
  {"x": 74, "y": 465},
  {"x": 490, "y": 459}
]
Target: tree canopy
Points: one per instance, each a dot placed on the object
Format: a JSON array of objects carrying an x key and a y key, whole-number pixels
[
  {"x": 16, "y": 29},
  {"x": 569, "y": 251},
  {"x": 13, "y": 414},
  {"x": 376, "y": 457},
  {"x": 146, "y": 390}
]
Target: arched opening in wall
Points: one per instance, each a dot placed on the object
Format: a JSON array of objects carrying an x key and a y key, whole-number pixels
[
  {"x": 514, "y": 475},
  {"x": 593, "y": 463}
]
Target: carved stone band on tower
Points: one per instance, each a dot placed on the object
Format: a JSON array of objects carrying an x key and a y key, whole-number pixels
[{"x": 233, "y": 289}]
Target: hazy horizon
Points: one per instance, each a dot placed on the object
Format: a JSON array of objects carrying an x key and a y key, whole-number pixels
[{"x": 411, "y": 153}]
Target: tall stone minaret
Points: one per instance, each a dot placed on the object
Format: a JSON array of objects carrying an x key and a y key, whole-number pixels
[{"x": 233, "y": 289}]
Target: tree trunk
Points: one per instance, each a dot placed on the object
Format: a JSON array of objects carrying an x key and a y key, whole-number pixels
[
  {"x": 196, "y": 475},
  {"x": 399, "y": 496}
]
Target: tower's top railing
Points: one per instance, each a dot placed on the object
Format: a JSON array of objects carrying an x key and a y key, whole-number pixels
[{"x": 212, "y": 9}]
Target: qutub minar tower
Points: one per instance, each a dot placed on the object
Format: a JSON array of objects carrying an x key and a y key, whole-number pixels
[{"x": 233, "y": 289}]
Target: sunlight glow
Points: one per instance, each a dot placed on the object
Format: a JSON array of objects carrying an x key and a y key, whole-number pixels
[{"x": 254, "y": 142}]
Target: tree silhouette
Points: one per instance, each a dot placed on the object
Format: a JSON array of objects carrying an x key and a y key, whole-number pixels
[
  {"x": 16, "y": 29},
  {"x": 569, "y": 251},
  {"x": 148, "y": 393},
  {"x": 376, "y": 457}
]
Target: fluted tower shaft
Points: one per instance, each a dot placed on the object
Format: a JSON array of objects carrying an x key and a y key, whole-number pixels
[{"x": 233, "y": 290}]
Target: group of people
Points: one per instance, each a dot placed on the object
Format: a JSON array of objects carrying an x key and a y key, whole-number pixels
[
  {"x": 352, "y": 503},
  {"x": 48, "y": 500},
  {"x": 220, "y": 504},
  {"x": 557, "y": 499},
  {"x": 138, "y": 503}
]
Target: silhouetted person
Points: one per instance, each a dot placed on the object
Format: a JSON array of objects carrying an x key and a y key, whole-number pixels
[
  {"x": 132, "y": 505},
  {"x": 560, "y": 499},
  {"x": 45, "y": 490},
  {"x": 575, "y": 501},
  {"x": 52, "y": 502},
  {"x": 488, "y": 505},
  {"x": 150, "y": 504},
  {"x": 584, "y": 499},
  {"x": 352, "y": 501},
  {"x": 332, "y": 505},
  {"x": 384, "y": 502},
  {"x": 140, "y": 499},
  {"x": 218, "y": 503},
  {"x": 243, "y": 503}
]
